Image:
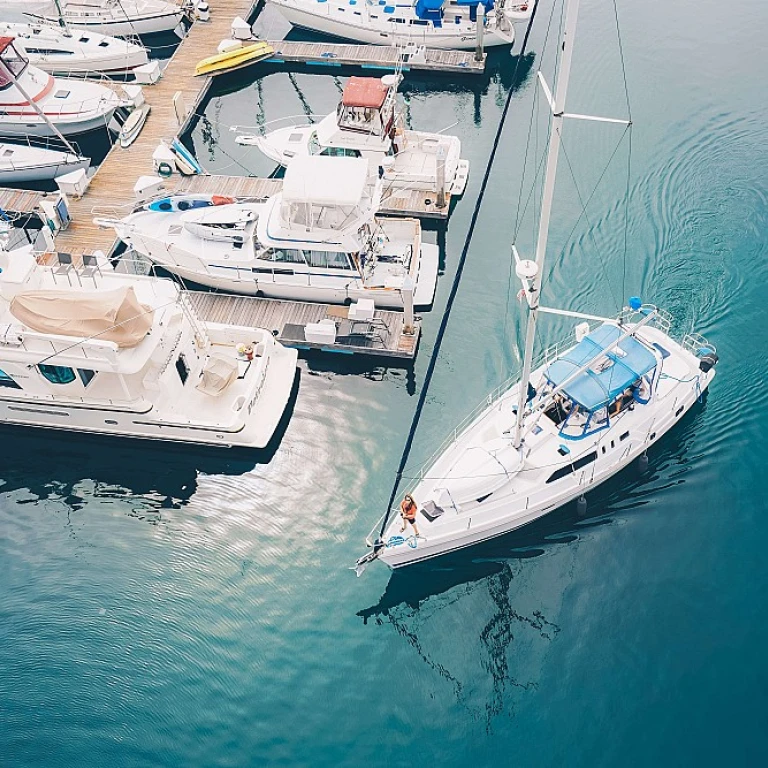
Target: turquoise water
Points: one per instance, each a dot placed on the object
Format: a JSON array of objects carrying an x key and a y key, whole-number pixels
[{"x": 167, "y": 607}]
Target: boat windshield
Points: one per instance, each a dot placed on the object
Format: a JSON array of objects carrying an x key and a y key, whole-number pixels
[{"x": 12, "y": 66}]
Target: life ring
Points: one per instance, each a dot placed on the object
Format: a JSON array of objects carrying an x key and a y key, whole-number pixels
[{"x": 164, "y": 169}]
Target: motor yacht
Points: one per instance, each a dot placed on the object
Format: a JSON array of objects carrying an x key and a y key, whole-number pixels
[
  {"x": 433, "y": 23},
  {"x": 88, "y": 349},
  {"x": 61, "y": 51},
  {"x": 368, "y": 123},
  {"x": 318, "y": 240},
  {"x": 34, "y": 103}
]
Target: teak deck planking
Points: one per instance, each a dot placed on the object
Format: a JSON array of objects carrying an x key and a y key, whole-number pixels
[{"x": 288, "y": 319}]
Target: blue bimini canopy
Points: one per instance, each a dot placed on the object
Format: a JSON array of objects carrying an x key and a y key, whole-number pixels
[
  {"x": 427, "y": 9},
  {"x": 611, "y": 372}
]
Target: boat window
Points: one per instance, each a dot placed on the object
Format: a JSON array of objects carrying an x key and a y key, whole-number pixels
[
  {"x": 340, "y": 152},
  {"x": 57, "y": 374},
  {"x": 182, "y": 368},
  {"x": 288, "y": 255},
  {"x": 314, "y": 144},
  {"x": 86, "y": 375},
  {"x": 12, "y": 66},
  {"x": 558, "y": 474},
  {"x": 7, "y": 381},
  {"x": 62, "y": 93},
  {"x": 329, "y": 259}
]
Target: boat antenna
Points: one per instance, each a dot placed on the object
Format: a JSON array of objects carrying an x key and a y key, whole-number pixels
[
  {"x": 531, "y": 271},
  {"x": 39, "y": 111}
]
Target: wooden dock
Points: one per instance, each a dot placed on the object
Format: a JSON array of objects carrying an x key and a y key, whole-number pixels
[
  {"x": 382, "y": 338},
  {"x": 21, "y": 202},
  {"x": 112, "y": 185},
  {"x": 374, "y": 57},
  {"x": 393, "y": 202}
]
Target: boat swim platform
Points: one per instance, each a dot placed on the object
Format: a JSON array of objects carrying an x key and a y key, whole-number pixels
[
  {"x": 111, "y": 187},
  {"x": 384, "y": 337},
  {"x": 394, "y": 202},
  {"x": 374, "y": 57}
]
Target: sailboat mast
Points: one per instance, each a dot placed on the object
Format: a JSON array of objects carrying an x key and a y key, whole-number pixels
[{"x": 553, "y": 152}]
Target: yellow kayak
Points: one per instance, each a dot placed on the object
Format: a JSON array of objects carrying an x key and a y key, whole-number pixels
[{"x": 239, "y": 57}]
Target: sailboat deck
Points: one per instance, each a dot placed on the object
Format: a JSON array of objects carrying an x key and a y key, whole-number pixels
[{"x": 382, "y": 338}]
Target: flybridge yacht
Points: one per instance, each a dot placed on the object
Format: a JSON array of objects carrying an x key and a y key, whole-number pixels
[
  {"x": 433, "y": 23},
  {"x": 19, "y": 162},
  {"x": 368, "y": 124},
  {"x": 67, "y": 52},
  {"x": 117, "y": 17},
  {"x": 91, "y": 350},
  {"x": 34, "y": 103},
  {"x": 586, "y": 410},
  {"x": 317, "y": 240}
]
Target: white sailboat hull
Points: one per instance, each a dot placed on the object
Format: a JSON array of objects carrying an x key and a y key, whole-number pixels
[
  {"x": 328, "y": 18},
  {"x": 526, "y": 496},
  {"x": 53, "y": 51},
  {"x": 19, "y": 163}
]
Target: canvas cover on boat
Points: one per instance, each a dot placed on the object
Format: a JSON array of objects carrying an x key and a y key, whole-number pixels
[
  {"x": 611, "y": 373},
  {"x": 114, "y": 315},
  {"x": 325, "y": 180},
  {"x": 367, "y": 92},
  {"x": 218, "y": 373}
]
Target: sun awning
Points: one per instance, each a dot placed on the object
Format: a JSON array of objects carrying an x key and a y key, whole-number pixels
[
  {"x": 115, "y": 315},
  {"x": 325, "y": 180},
  {"x": 610, "y": 374},
  {"x": 367, "y": 92}
]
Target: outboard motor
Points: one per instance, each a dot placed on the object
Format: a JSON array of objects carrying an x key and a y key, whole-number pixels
[{"x": 708, "y": 361}]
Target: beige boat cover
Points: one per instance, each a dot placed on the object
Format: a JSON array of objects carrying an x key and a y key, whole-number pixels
[
  {"x": 113, "y": 315},
  {"x": 217, "y": 375}
]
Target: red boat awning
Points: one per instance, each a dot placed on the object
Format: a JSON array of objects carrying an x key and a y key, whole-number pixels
[
  {"x": 5, "y": 42},
  {"x": 364, "y": 92}
]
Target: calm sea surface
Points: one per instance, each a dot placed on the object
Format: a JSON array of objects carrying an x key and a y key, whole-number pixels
[{"x": 170, "y": 607}]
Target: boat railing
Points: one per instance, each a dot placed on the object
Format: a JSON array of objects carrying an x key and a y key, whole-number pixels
[
  {"x": 264, "y": 128},
  {"x": 697, "y": 344}
]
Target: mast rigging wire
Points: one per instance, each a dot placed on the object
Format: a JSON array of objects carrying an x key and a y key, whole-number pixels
[{"x": 456, "y": 280}]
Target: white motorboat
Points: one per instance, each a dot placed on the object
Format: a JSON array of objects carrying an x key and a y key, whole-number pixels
[
  {"x": 368, "y": 124},
  {"x": 34, "y": 103},
  {"x": 23, "y": 162},
  {"x": 434, "y": 23},
  {"x": 317, "y": 240},
  {"x": 588, "y": 409},
  {"x": 121, "y": 18},
  {"x": 92, "y": 350},
  {"x": 74, "y": 52}
]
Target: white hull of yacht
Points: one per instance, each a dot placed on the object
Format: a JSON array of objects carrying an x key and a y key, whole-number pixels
[
  {"x": 415, "y": 166},
  {"x": 336, "y": 22},
  {"x": 147, "y": 425},
  {"x": 69, "y": 125},
  {"x": 52, "y": 50},
  {"x": 232, "y": 279},
  {"x": 510, "y": 507},
  {"x": 19, "y": 163}
]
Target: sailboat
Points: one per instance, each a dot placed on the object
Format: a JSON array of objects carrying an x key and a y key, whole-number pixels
[
  {"x": 435, "y": 23},
  {"x": 583, "y": 412},
  {"x": 24, "y": 162},
  {"x": 34, "y": 103},
  {"x": 61, "y": 51},
  {"x": 116, "y": 17}
]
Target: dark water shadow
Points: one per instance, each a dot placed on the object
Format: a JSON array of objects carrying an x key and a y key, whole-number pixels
[{"x": 46, "y": 461}]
